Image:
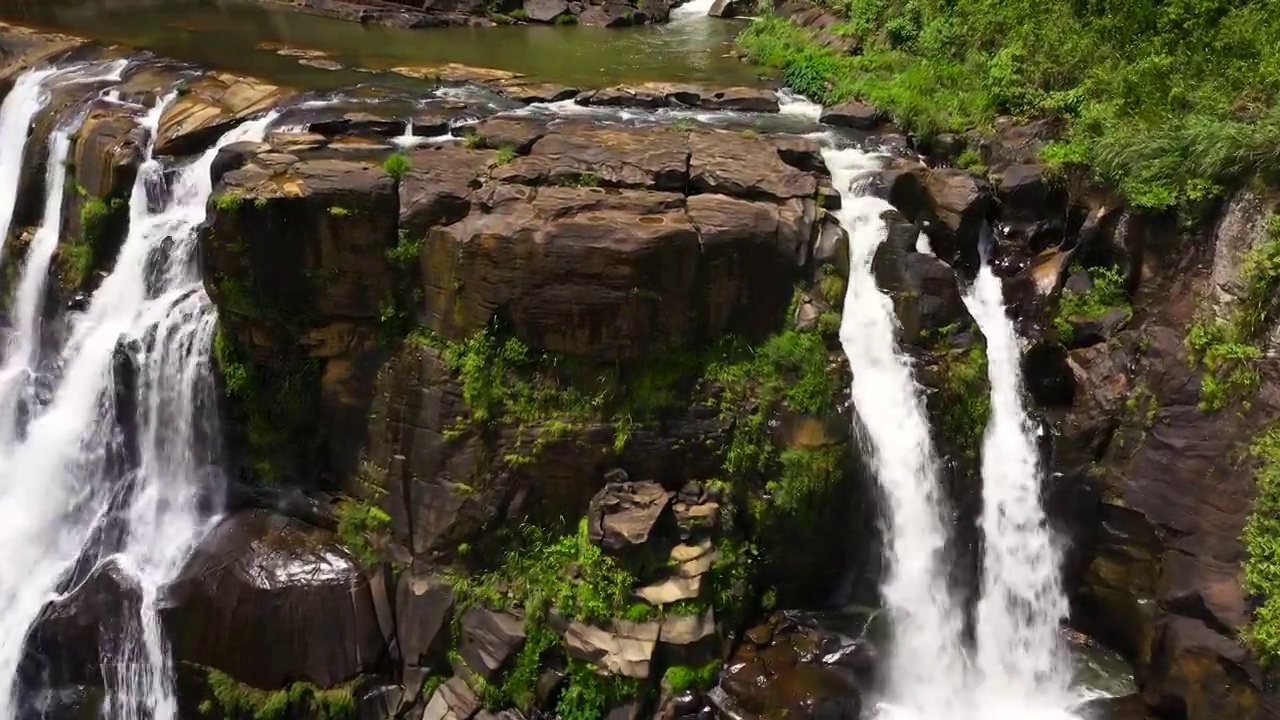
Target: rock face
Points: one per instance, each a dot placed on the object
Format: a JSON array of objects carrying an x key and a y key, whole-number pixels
[
  {"x": 269, "y": 601},
  {"x": 211, "y": 106},
  {"x": 624, "y": 514}
]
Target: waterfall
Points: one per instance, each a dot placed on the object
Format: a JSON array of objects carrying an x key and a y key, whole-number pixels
[
  {"x": 925, "y": 668},
  {"x": 63, "y": 481},
  {"x": 21, "y": 353},
  {"x": 1020, "y": 656},
  {"x": 178, "y": 484},
  {"x": 16, "y": 113},
  {"x": 1018, "y": 669}
]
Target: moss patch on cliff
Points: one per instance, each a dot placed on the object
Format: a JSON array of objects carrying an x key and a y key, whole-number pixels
[
  {"x": 233, "y": 700},
  {"x": 1262, "y": 542},
  {"x": 964, "y": 402},
  {"x": 1165, "y": 99},
  {"x": 1106, "y": 293},
  {"x": 273, "y": 408},
  {"x": 1228, "y": 348}
]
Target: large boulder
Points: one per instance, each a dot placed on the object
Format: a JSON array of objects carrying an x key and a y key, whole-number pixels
[
  {"x": 270, "y": 601},
  {"x": 209, "y": 107},
  {"x": 624, "y": 514}
]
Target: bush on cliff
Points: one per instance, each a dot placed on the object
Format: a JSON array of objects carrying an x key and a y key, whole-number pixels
[{"x": 1165, "y": 99}]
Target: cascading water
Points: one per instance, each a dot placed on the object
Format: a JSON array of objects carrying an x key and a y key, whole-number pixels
[
  {"x": 1018, "y": 670},
  {"x": 21, "y": 353},
  {"x": 20, "y": 106},
  {"x": 63, "y": 480},
  {"x": 177, "y": 483},
  {"x": 1020, "y": 656},
  {"x": 925, "y": 669}
]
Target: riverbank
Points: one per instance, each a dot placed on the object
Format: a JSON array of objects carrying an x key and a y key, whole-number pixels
[{"x": 1168, "y": 103}]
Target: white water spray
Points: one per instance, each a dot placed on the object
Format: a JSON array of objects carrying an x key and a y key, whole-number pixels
[
  {"x": 925, "y": 668},
  {"x": 1023, "y": 664},
  {"x": 16, "y": 113}
]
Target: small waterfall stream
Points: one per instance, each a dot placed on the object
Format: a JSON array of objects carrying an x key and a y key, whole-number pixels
[
  {"x": 1021, "y": 658},
  {"x": 926, "y": 664}
]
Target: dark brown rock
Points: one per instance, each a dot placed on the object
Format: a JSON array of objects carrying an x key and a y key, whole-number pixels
[
  {"x": 424, "y": 617},
  {"x": 545, "y": 11},
  {"x": 853, "y": 114},
  {"x": 438, "y": 187},
  {"x": 730, "y": 163},
  {"x": 212, "y": 105},
  {"x": 270, "y": 601},
  {"x": 728, "y": 8},
  {"x": 489, "y": 640},
  {"x": 623, "y": 515},
  {"x": 454, "y": 700}
]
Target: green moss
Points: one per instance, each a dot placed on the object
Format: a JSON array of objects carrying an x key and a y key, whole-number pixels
[
  {"x": 397, "y": 165},
  {"x": 1262, "y": 542},
  {"x": 567, "y": 19},
  {"x": 1227, "y": 348},
  {"x": 805, "y": 478},
  {"x": 339, "y": 212},
  {"x": 1167, "y": 100},
  {"x": 504, "y": 155},
  {"x": 965, "y": 403},
  {"x": 229, "y": 201},
  {"x": 580, "y": 180},
  {"x": 680, "y": 678},
  {"x": 237, "y": 701},
  {"x": 520, "y": 14},
  {"x": 520, "y": 687},
  {"x": 405, "y": 252},
  {"x": 431, "y": 684},
  {"x": 1107, "y": 293},
  {"x": 363, "y": 528},
  {"x": 474, "y": 141},
  {"x": 273, "y": 409}
]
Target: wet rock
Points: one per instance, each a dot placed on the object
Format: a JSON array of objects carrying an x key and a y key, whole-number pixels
[
  {"x": 489, "y": 640},
  {"x": 623, "y": 648},
  {"x": 791, "y": 676},
  {"x": 1086, "y": 331},
  {"x": 270, "y": 601},
  {"x": 519, "y": 134},
  {"x": 853, "y": 114},
  {"x": 424, "y": 617},
  {"x": 358, "y": 123},
  {"x": 622, "y": 515},
  {"x": 212, "y": 105},
  {"x": 671, "y": 590},
  {"x": 684, "y": 630},
  {"x": 545, "y": 11},
  {"x": 729, "y": 9},
  {"x": 924, "y": 289},
  {"x": 658, "y": 95},
  {"x": 66, "y": 644},
  {"x": 540, "y": 92}
]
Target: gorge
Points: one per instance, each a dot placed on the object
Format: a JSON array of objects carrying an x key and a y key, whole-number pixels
[{"x": 411, "y": 389}]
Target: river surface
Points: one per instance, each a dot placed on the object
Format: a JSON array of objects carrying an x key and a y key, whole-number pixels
[{"x": 247, "y": 37}]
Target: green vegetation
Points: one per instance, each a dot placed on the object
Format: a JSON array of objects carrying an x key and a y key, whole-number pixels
[
  {"x": 363, "y": 528},
  {"x": 229, "y": 201},
  {"x": 568, "y": 573},
  {"x": 274, "y": 408},
  {"x": 505, "y": 154},
  {"x": 237, "y": 701},
  {"x": 580, "y": 180},
  {"x": 405, "y": 252},
  {"x": 474, "y": 141},
  {"x": 1262, "y": 541},
  {"x": 567, "y": 19},
  {"x": 964, "y": 402},
  {"x": 397, "y": 165},
  {"x": 681, "y": 677},
  {"x": 78, "y": 257},
  {"x": 1228, "y": 348},
  {"x": 1107, "y": 293},
  {"x": 1167, "y": 100},
  {"x": 340, "y": 212},
  {"x": 590, "y": 696}
]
